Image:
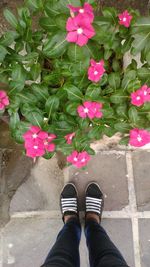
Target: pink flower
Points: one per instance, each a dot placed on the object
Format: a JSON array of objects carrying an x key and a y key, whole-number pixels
[
  {"x": 141, "y": 96},
  {"x": 84, "y": 12},
  {"x": 35, "y": 132},
  {"x": 139, "y": 137},
  {"x": 125, "y": 19},
  {"x": 51, "y": 137},
  {"x": 79, "y": 30},
  {"x": 96, "y": 70},
  {"x": 37, "y": 142},
  {"x": 90, "y": 109},
  {"x": 146, "y": 93},
  {"x": 69, "y": 138},
  {"x": 50, "y": 147},
  {"x": 4, "y": 100},
  {"x": 34, "y": 148},
  {"x": 79, "y": 159}
]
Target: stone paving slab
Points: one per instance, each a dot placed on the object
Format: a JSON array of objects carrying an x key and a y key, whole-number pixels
[
  {"x": 41, "y": 191},
  {"x": 144, "y": 231},
  {"x": 141, "y": 169},
  {"x": 26, "y": 242},
  {"x": 6, "y": 140},
  {"x": 109, "y": 170}
]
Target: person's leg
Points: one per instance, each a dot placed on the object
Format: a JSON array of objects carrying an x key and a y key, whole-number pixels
[
  {"x": 65, "y": 251},
  {"x": 102, "y": 251}
]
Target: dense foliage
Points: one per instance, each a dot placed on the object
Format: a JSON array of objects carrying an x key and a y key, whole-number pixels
[{"x": 67, "y": 78}]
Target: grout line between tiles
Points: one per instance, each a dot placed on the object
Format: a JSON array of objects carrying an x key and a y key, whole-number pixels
[
  {"x": 53, "y": 214},
  {"x": 1, "y": 249},
  {"x": 133, "y": 209}
]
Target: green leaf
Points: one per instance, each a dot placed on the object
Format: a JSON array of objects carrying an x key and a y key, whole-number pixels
[
  {"x": 8, "y": 38},
  {"x": 124, "y": 140},
  {"x": 73, "y": 92},
  {"x": 93, "y": 91},
  {"x": 52, "y": 104},
  {"x": 90, "y": 151},
  {"x": 10, "y": 17},
  {"x": 133, "y": 114},
  {"x": 72, "y": 108},
  {"x": 107, "y": 54},
  {"x": 122, "y": 111},
  {"x": 95, "y": 132},
  {"x": 110, "y": 13},
  {"x": 35, "y": 4},
  {"x": 122, "y": 127},
  {"x": 3, "y": 53},
  {"x": 48, "y": 24},
  {"x": 14, "y": 120},
  {"x": 60, "y": 21},
  {"x": 48, "y": 155},
  {"x": 56, "y": 45},
  {"x": 118, "y": 98},
  {"x": 108, "y": 112},
  {"x": 109, "y": 131},
  {"x": 40, "y": 91},
  {"x": 114, "y": 80},
  {"x": 35, "y": 71},
  {"x": 18, "y": 73},
  {"x": 144, "y": 73},
  {"x": 35, "y": 117},
  {"x": 140, "y": 40},
  {"x": 77, "y": 53}
]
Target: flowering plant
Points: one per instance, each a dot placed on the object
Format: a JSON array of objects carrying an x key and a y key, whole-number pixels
[{"x": 66, "y": 83}]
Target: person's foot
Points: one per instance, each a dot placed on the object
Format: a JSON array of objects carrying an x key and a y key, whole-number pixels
[
  {"x": 94, "y": 202},
  {"x": 69, "y": 202}
]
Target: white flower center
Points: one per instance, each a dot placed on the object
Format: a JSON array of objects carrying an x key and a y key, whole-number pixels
[
  {"x": 95, "y": 72},
  {"x": 70, "y": 137},
  {"x": 145, "y": 92},
  {"x": 75, "y": 159},
  {"x": 139, "y": 138},
  {"x": 83, "y": 160},
  {"x": 80, "y": 31},
  {"x": 138, "y": 98},
  {"x": 45, "y": 143},
  {"x": 124, "y": 19},
  {"x": 86, "y": 110},
  {"x": 35, "y": 147},
  {"x": 81, "y": 10},
  {"x": 35, "y": 135}
]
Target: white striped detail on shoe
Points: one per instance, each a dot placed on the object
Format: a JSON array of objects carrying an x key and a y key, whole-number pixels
[
  {"x": 93, "y": 204},
  {"x": 69, "y": 204}
]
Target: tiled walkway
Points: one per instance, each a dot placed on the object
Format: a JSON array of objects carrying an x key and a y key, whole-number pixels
[{"x": 125, "y": 180}]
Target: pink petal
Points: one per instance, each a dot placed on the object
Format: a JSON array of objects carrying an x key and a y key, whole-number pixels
[
  {"x": 42, "y": 135},
  {"x": 71, "y": 25},
  {"x": 89, "y": 32},
  {"x": 82, "y": 40},
  {"x": 72, "y": 37},
  {"x": 2, "y": 106},
  {"x": 50, "y": 147},
  {"x": 5, "y": 101},
  {"x": 2, "y": 93},
  {"x": 35, "y": 129}
]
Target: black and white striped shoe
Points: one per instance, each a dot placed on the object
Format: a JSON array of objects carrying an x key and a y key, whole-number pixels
[
  {"x": 94, "y": 200},
  {"x": 69, "y": 200}
]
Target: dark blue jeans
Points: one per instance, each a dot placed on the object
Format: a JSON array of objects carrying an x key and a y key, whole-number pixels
[{"x": 102, "y": 252}]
